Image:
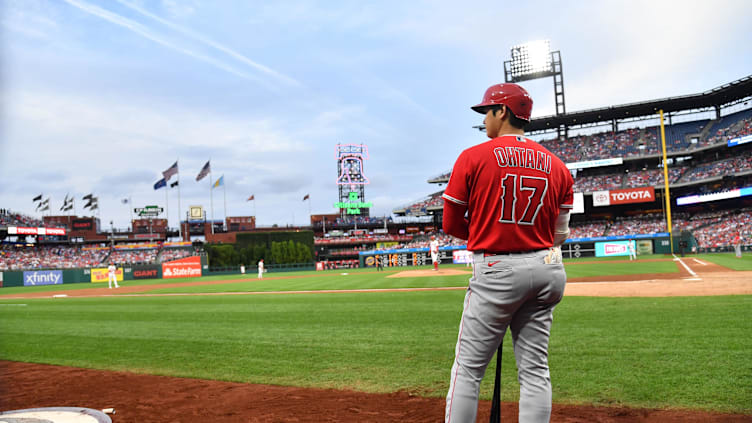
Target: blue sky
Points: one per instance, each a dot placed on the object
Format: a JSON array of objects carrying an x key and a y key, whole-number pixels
[{"x": 102, "y": 96}]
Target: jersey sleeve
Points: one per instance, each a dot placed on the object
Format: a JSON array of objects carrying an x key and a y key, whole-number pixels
[{"x": 457, "y": 190}]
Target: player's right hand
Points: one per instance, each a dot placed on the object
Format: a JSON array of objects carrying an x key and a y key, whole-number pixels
[{"x": 553, "y": 256}]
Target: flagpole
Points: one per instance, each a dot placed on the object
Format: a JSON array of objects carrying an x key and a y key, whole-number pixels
[
  {"x": 180, "y": 219},
  {"x": 167, "y": 208},
  {"x": 130, "y": 207},
  {"x": 224, "y": 190},
  {"x": 211, "y": 200},
  {"x": 255, "y": 217}
]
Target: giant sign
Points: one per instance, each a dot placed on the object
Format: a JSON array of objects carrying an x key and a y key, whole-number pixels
[
  {"x": 183, "y": 268},
  {"x": 623, "y": 196},
  {"x": 43, "y": 277},
  {"x": 146, "y": 272},
  {"x": 83, "y": 224}
]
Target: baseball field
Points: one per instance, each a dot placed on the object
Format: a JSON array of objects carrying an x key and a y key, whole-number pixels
[{"x": 654, "y": 340}]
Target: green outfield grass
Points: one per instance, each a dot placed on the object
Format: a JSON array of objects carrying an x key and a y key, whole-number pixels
[
  {"x": 728, "y": 260},
  {"x": 642, "y": 352}
]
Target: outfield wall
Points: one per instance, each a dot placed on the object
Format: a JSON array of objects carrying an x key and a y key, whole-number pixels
[
  {"x": 658, "y": 243},
  {"x": 187, "y": 267}
]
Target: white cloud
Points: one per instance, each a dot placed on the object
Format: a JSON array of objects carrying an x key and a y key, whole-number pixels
[{"x": 149, "y": 34}]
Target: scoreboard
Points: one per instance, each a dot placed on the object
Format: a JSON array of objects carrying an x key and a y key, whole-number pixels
[{"x": 405, "y": 257}]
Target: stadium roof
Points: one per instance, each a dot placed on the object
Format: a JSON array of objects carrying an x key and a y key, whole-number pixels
[{"x": 724, "y": 95}]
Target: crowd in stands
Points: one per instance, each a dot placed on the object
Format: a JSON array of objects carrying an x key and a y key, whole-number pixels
[
  {"x": 361, "y": 239},
  {"x": 10, "y": 218},
  {"x": 731, "y": 129},
  {"x": 66, "y": 257},
  {"x": 596, "y": 183},
  {"x": 421, "y": 206},
  {"x": 636, "y": 142},
  {"x": 627, "y": 143},
  {"x": 169, "y": 254},
  {"x": 718, "y": 168},
  {"x": 587, "y": 229},
  {"x": 42, "y": 257},
  {"x": 133, "y": 256},
  {"x": 424, "y": 241},
  {"x": 719, "y": 228},
  {"x": 644, "y": 224}
]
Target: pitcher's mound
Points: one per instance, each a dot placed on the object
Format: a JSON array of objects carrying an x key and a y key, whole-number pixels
[{"x": 429, "y": 272}]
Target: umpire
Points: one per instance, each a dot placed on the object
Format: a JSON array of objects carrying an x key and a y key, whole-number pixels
[{"x": 517, "y": 196}]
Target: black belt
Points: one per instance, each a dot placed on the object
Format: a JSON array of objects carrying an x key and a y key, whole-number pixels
[{"x": 504, "y": 253}]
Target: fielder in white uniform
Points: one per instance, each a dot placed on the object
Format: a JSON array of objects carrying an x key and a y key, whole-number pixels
[
  {"x": 112, "y": 276},
  {"x": 632, "y": 252},
  {"x": 261, "y": 269},
  {"x": 434, "y": 244}
]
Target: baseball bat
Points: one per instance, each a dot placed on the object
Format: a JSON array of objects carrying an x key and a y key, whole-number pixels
[{"x": 496, "y": 401}]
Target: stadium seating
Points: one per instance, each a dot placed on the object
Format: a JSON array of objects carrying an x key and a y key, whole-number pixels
[
  {"x": 10, "y": 218},
  {"x": 58, "y": 257}
]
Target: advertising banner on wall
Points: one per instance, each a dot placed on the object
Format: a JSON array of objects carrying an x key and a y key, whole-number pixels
[
  {"x": 18, "y": 230},
  {"x": 43, "y": 277},
  {"x": 612, "y": 248},
  {"x": 146, "y": 272},
  {"x": 183, "y": 268},
  {"x": 99, "y": 275},
  {"x": 644, "y": 246},
  {"x": 623, "y": 196},
  {"x": 462, "y": 256},
  {"x": 578, "y": 204}
]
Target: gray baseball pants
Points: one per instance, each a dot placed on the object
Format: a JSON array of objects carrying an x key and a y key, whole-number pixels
[{"x": 518, "y": 291}]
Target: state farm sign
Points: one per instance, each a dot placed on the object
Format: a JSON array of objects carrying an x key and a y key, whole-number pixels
[
  {"x": 623, "y": 196},
  {"x": 183, "y": 268}
]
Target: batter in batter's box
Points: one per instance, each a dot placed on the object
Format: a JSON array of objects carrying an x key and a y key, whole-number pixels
[{"x": 517, "y": 196}]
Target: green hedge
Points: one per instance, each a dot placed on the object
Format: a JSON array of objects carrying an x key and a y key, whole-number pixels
[{"x": 274, "y": 247}]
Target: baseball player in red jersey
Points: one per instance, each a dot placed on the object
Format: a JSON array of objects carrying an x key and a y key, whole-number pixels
[{"x": 517, "y": 196}]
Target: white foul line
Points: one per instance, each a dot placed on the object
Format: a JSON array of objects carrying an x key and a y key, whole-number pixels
[
  {"x": 700, "y": 261},
  {"x": 685, "y": 266}
]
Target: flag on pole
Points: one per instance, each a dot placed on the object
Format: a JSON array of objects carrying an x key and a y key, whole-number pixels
[
  {"x": 44, "y": 205},
  {"x": 66, "y": 203},
  {"x": 88, "y": 197},
  {"x": 174, "y": 184},
  {"x": 204, "y": 171},
  {"x": 37, "y": 198},
  {"x": 93, "y": 201},
  {"x": 307, "y": 196},
  {"x": 252, "y": 197},
  {"x": 160, "y": 184},
  {"x": 172, "y": 170},
  {"x": 220, "y": 182}
]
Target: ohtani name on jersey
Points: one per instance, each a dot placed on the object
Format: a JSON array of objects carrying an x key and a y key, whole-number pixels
[{"x": 523, "y": 157}]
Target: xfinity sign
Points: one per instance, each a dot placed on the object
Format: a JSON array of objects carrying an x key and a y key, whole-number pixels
[{"x": 43, "y": 277}]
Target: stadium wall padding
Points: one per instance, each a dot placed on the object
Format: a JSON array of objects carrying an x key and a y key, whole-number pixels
[{"x": 12, "y": 278}]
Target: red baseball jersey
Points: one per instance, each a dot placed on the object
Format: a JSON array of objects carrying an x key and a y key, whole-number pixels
[{"x": 513, "y": 188}]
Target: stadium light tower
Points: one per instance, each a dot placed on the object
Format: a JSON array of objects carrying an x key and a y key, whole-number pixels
[{"x": 534, "y": 60}]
